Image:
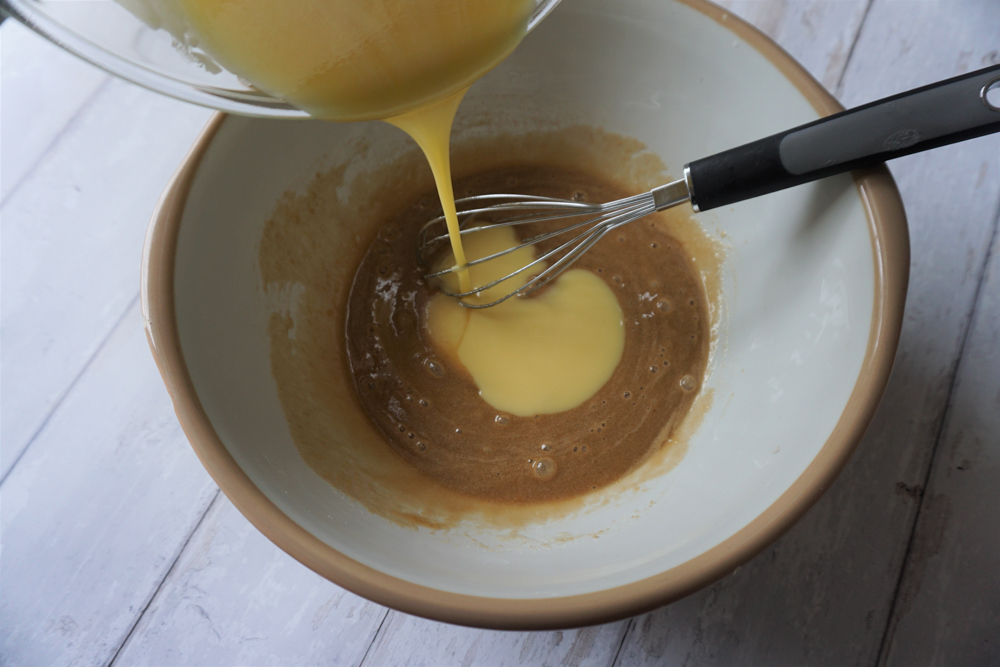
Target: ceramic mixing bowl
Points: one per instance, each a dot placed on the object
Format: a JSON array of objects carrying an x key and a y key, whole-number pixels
[{"x": 813, "y": 284}]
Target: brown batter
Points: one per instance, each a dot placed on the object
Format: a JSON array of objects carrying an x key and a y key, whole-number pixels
[{"x": 430, "y": 412}]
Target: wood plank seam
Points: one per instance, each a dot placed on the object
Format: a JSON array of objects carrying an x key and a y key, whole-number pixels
[
  {"x": 850, "y": 52},
  {"x": 887, "y": 634},
  {"x": 166, "y": 575},
  {"x": 70, "y": 123},
  {"x": 375, "y": 637},
  {"x": 69, "y": 388},
  {"x": 625, "y": 635}
]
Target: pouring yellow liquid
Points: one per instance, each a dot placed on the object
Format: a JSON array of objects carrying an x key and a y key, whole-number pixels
[{"x": 410, "y": 62}]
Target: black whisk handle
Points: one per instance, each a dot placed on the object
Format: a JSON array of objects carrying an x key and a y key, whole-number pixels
[{"x": 942, "y": 113}]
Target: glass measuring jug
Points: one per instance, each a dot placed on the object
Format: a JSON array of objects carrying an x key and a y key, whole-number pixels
[{"x": 135, "y": 43}]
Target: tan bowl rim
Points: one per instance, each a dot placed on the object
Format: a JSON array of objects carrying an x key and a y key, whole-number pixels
[{"x": 890, "y": 241}]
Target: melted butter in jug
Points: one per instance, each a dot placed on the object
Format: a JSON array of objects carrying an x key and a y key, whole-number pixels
[
  {"x": 404, "y": 61},
  {"x": 358, "y": 60}
]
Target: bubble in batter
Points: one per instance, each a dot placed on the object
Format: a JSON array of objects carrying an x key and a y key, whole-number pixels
[
  {"x": 544, "y": 468},
  {"x": 434, "y": 368},
  {"x": 390, "y": 232},
  {"x": 688, "y": 383}
]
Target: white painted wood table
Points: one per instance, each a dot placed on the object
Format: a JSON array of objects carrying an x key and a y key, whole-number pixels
[{"x": 117, "y": 548}]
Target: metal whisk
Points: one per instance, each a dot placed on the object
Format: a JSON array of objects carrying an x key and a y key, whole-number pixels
[
  {"x": 941, "y": 113},
  {"x": 587, "y": 222}
]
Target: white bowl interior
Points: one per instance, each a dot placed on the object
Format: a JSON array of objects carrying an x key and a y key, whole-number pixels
[{"x": 798, "y": 299}]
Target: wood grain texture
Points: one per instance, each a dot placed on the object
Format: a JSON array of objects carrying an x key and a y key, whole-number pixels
[
  {"x": 96, "y": 511},
  {"x": 822, "y": 594},
  {"x": 416, "y": 642},
  {"x": 44, "y": 88},
  {"x": 72, "y": 236},
  {"x": 947, "y": 611},
  {"x": 235, "y": 598}
]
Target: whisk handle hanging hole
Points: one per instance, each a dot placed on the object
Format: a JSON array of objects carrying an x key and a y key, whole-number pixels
[{"x": 936, "y": 115}]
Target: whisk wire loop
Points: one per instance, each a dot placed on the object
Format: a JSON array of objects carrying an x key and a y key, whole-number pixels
[
  {"x": 603, "y": 218},
  {"x": 599, "y": 219}
]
